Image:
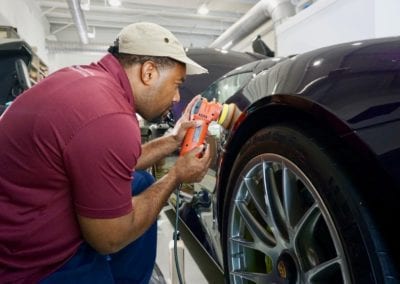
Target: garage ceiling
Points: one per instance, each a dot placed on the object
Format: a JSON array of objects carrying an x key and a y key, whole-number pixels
[{"x": 104, "y": 21}]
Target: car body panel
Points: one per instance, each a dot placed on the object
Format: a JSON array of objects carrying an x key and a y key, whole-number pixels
[
  {"x": 366, "y": 74},
  {"x": 352, "y": 89}
]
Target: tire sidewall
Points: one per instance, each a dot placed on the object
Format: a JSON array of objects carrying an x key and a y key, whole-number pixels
[{"x": 335, "y": 189}]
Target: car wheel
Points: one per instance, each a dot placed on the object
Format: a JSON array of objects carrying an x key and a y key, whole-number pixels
[{"x": 292, "y": 215}]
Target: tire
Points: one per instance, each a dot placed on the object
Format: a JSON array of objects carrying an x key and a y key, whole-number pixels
[{"x": 292, "y": 215}]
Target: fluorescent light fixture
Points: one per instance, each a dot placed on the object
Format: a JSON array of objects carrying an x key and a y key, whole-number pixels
[
  {"x": 114, "y": 3},
  {"x": 227, "y": 45},
  {"x": 85, "y": 5},
  {"x": 92, "y": 34},
  {"x": 203, "y": 10},
  {"x": 317, "y": 62}
]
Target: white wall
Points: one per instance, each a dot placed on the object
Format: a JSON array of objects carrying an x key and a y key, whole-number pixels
[
  {"x": 25, "y": 15},
  {"x": 63, "y": 59},
  {"x": 329, "y": 22},
  {"x": 387, "y": 19},
  {"x": 267, "y": 34}
]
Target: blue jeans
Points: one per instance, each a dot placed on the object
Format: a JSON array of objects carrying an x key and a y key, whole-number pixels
[{"x": 132, "y": 264}]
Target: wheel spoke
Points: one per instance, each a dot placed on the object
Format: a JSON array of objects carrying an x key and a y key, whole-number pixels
[
  {"x": 304, "y": 238},
  {"x": 307, "y": 222},
  {"x": 275, "y": 208},
  {"x": 259, "y": 234},
  {"x": 244, "y": 243},
  {"x": 291, "y": 198},
  {"x": 323, "y": 268},
  {"x": 326, "y": 269},
  {"x": 257, "y": 277},
  {"x": 257, "y": 195}
]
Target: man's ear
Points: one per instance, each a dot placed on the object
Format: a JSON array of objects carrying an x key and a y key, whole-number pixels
[{"x": 149, "y": 72}]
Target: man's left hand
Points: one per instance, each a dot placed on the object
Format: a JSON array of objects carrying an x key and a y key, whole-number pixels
[{"x": 184, "y": 122}]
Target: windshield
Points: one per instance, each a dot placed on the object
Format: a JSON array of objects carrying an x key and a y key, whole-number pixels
[{"x": 224, "y": 88}]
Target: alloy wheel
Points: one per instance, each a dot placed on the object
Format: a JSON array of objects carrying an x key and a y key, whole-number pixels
[{"x": 279, "y": 230}]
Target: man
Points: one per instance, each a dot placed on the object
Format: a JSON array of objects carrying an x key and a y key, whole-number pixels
[{"x": 68, "y": 148}]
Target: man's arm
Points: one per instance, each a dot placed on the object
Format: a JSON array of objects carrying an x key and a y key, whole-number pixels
[
  {"x": 156, "y": 150},
  {"x": 108, "y": 235},
  {"x": 160, "y": 148},
  {"x": 111, "y": 235}
]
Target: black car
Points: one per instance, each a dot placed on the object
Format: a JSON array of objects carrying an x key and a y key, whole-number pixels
[
  {"x": 304, "y": 187},
  {"x": 218, "y": 62}
]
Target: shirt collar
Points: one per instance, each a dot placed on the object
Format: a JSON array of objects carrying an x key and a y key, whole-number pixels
[{"x": 113, "y": 67}]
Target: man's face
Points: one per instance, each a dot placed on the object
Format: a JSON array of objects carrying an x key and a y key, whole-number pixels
[{"x": 163, "y": 92}]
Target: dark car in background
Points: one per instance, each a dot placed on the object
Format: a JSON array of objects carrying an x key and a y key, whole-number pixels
[
  {"x": 304, "y": 188},
  {"x": 15, "y": 56},
  {"x": 218, "y": 62}
]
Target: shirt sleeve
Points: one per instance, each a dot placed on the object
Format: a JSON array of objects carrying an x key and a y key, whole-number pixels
[{"x": 99, "y": 161}]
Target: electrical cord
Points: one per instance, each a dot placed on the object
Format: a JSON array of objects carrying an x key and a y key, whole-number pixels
[{"x": 176, "y": 234}]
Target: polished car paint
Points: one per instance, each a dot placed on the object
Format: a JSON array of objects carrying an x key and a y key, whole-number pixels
[{"x": 351, "y": 90}]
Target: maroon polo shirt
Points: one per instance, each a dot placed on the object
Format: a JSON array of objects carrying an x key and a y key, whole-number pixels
[{"x": 67, "y": 146}]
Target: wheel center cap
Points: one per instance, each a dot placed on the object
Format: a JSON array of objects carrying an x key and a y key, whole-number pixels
[
  {"x": 282, "y": 269},
  {"x": 287, "y": 268}
]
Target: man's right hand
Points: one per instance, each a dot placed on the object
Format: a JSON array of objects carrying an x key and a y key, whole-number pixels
[{"x": 190, "y": 168}]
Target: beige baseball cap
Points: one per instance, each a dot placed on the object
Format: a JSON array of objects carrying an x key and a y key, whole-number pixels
[{"x": 154, "y": 40}]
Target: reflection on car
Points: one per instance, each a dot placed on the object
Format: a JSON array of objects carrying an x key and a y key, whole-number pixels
[{"x": 304, "y": 187}]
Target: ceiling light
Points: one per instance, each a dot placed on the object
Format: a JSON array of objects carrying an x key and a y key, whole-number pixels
[
  {"x": 114, "y": 3},
  {"x": 317, "y": 62},
  {"x": 203, "y": 10},
  {"x": 92, "y": 34},
  {"x": 227, "y": 45},
  {"x": 85, "y": 5}
]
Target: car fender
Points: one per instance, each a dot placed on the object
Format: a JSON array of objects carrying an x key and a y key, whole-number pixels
[{"x": 285, "y": 108}]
